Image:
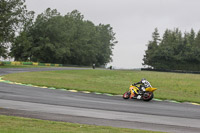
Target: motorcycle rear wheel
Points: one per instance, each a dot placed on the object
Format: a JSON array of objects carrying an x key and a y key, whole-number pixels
[
  {"x": 126, "y": 95},
  {"x": 147, "y": 96}
]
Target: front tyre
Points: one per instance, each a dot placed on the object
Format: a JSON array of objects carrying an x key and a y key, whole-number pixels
[
  {"x": 126, "y": 95},
  {"x": 147, "y": 96}
]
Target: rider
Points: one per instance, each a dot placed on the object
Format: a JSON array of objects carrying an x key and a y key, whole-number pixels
[{"x": 144, "y": 84}]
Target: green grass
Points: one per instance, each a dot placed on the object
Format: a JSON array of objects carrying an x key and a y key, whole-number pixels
[
  {"x": 10, "y": 124},
  {"x": 173, "y": 86}
]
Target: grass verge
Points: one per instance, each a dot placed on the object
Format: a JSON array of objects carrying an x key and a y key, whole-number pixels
[
  {"x": 11, "y": 124},
  {"x": 173, "y": 86}
]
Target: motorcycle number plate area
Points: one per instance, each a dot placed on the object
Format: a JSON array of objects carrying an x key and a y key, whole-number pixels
[{"x": 135, "y": 90}]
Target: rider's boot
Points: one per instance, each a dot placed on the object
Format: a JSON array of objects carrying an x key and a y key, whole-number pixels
[{"x": 139, "y": 97}]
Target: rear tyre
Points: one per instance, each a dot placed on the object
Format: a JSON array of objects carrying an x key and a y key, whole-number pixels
[
  {"x": 126, "y": 95},
  {"x": 147, "y": 96}
]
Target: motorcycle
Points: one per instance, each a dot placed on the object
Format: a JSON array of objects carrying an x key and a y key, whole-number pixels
[{"x": 135, "y": 93}]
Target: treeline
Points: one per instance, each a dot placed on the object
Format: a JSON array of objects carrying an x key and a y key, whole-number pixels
[
  {"x": 174, "y": 51},
  {"x": 13, "y": 18},
  {"x": 63, "y": 39}
]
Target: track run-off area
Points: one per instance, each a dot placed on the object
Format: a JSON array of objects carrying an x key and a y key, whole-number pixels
[{"x": 93, "y": 108}]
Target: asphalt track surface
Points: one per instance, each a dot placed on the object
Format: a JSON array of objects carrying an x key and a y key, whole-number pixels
[{"x": 59, "y": 105}]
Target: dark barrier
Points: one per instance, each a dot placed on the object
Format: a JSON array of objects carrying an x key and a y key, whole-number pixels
[{"x": 174, "y": 71}]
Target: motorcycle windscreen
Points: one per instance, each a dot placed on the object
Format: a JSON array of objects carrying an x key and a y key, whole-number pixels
[{"x": 150, "y": 89}]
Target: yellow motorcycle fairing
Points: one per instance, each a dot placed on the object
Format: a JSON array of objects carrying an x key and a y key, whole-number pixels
[
  {"x": 133, "y": 89},
  {"x": 150, "y": 89}
]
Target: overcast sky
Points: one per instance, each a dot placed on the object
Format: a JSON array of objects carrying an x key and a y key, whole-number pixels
[{"x": 133, "y": 21}]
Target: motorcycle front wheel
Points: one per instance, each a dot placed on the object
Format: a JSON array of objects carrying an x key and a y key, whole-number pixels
[
  {"x": 147, "y": 96},
  {"x": 126, "y": 95}
]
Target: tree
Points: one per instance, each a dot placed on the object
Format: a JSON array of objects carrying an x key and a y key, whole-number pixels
[
  {"x": 152, "y": 47},
  {"x": 106, "y": 42},
  {"x": 67, "y": 39},
  {"x": 174, "y": 52},
  {"x": 13, "y": 15},
  {"x": 196, "y": 47},
  {"x": 20, "y": 49}
]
